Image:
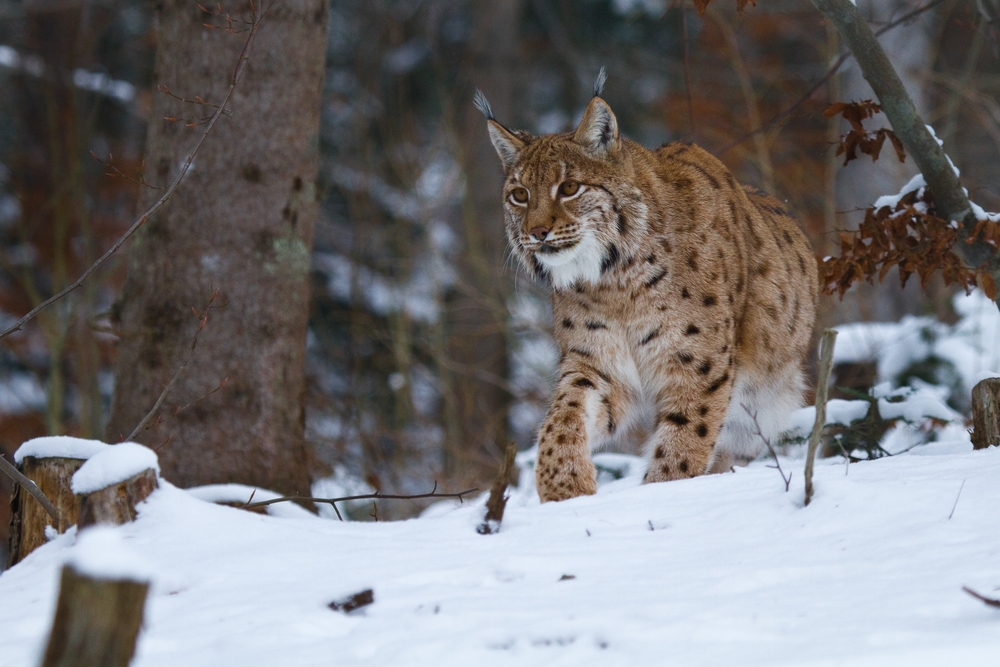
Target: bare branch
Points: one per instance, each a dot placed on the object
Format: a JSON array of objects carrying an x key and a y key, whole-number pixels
[
  {"x": 767, "y": 441},
  {"x": 30, "y": 487},
  {"x": 367, "y": 496},
  {"x": 173, "y": 380},
  {"x": 237, "y": 75},
  {"x": 992, "y": 602}
]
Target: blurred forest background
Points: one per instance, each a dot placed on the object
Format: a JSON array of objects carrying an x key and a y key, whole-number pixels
[{"x": 427, "y": 349}]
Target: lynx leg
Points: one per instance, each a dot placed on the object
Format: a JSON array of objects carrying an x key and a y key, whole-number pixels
[
  {"x": 582, "y": 414},
  {"x": 686, "y": 431},
  {"x": 768, "y": 398}
]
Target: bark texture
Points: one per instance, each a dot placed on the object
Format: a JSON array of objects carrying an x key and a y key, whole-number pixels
[
  {"x": 241, "y": 222},
  {"x": 97, "y": 622},
  {"x": 53, "y": 476},
  {"x": 115, "y": 504},
  {"x": 986, "y": 414}
]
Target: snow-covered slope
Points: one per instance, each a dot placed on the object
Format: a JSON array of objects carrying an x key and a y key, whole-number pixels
[{"x": 723, "y": 570}]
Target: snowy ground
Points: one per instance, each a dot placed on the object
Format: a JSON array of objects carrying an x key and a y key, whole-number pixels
[{"x": 720, "y": 570}]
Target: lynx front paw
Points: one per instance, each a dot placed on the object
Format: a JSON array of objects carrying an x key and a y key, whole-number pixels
[{"x": 561, "y": 476}]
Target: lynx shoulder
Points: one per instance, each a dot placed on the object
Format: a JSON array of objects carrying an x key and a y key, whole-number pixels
[{"x": 683, "y": 301}]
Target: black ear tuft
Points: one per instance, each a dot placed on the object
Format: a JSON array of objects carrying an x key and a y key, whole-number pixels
[
  {"x": 483, "y": 104},
  {"x": 602, "y": 76}
]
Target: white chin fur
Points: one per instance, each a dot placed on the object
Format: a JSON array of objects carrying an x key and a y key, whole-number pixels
[{"x": 581, "y": 262}]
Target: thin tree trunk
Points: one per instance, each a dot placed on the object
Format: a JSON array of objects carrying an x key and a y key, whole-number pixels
[
  {"x": 477, "y": 312},
  {"x": 242, "y": 223}
]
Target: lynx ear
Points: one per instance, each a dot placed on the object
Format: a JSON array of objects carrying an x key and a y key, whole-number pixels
[
  {"x": 508, "y": 145},
  {"x": 598, "y": 131}
]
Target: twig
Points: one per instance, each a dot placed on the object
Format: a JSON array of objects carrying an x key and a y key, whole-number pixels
[
  {"x": 822, "y": 80},
  {"x": 366, "y": 496},
  {"x": 950, "y": 514},
  {"x": 992, "y": 602},
  {"x": 497, "y": 501},
  {"x": 173, "y": 380},
  {"x": 822, "y": 390},
  {"x": 237, "y": 75},
  {"x": 30, "y": 487},
  {"x": 767, "y": 441}
]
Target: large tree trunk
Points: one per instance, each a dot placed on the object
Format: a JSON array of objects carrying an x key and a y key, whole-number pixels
[
  {"x": 477, "y": 432},
  {"x": 242, "y": 223}
]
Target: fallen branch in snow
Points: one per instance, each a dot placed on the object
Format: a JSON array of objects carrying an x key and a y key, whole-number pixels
[
  {"x": 367, "y": 496},
  {"x": 170, "y": 385},
  {"x": 767, "y": 442},
  {"x": 822, "y": 389},
  {"x": 498, "y": 499},
  {"x": 992, "y": 602},
  {"x": 30, "y": 487},
  {"x": 352, "y": 602},
  {"x": 221, "y": 110}
]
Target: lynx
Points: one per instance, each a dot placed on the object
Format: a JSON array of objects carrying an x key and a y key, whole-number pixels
[{"x": 682, "y": 301}]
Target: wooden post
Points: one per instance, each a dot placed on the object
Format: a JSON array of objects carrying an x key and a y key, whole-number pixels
[
  {"x": 822, "y": 389},
  {"x": 115, "y": 504},
  {"x": 985, "y": 415},
  {"x": 52, "y": 475},
  {"x": 97, "y": 621}
]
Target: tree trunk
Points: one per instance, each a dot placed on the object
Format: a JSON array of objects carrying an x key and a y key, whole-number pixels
[
  {"x": 242, "y": 223},
  {"x": 986, "y": 414},
  {"x": 477, "y": 310},
  {"x": 53, "y": 476},
  {"x": 97, "y": 621}
]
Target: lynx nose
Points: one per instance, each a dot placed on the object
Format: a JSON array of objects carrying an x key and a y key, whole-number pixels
[{"x": 539, "y": 233}]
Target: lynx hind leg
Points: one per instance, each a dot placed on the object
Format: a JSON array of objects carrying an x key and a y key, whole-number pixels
[
  {"x": 584, "y": 413},
  {"x": 771, "y": 399}
]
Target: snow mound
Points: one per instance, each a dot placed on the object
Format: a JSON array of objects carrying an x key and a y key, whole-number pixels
[
  {"x": 113, "y": 465},
  {"x": 59, "y": 446},
  {"x": 101, "y": 552}
]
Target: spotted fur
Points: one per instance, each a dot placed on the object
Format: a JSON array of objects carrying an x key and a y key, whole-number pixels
[{"x": 678, "y": 294}]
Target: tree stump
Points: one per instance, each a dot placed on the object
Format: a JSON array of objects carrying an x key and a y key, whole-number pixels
[
  {"x": 97, "y": 621},
  {"x": 115, "y": 504},
  {"x": 985, "y": 417},
  {"x": 52, "y": 475}
]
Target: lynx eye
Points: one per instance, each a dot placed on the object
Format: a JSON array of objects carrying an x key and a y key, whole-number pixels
[
  {"x": 569, "y": 188},
  {"x": 519, "y": 195}
]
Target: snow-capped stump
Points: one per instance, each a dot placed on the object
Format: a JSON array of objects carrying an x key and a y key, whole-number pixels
[
  {"x": 102, "y": 594},
  {"x": 50, "y": 463},
  {"x": 985, "y": 414},
  {"x": 110, "y": 484}
]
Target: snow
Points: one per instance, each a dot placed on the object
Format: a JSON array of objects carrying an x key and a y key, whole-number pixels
[
  {"x": 102, "y": 552},
  {"x": 115, "y": 464},
  {"x": 62, "y": 446},
  {"x": 717, "y": 570},
  {"x": 838, "y": 411}
]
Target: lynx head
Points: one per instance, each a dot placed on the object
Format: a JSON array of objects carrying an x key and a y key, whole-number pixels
[{"x": 570, "y": 206}]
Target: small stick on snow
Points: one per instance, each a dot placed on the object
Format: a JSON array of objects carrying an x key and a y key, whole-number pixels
[
  {"x": 822, "y": 389},
  {"x": 30, "y": 487},
  {"x": 992, "y": 602},
  {"x": 497, "y": 501},
  {"x": 950, "y": 514},
  {"x": 767, "y": 441}
]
